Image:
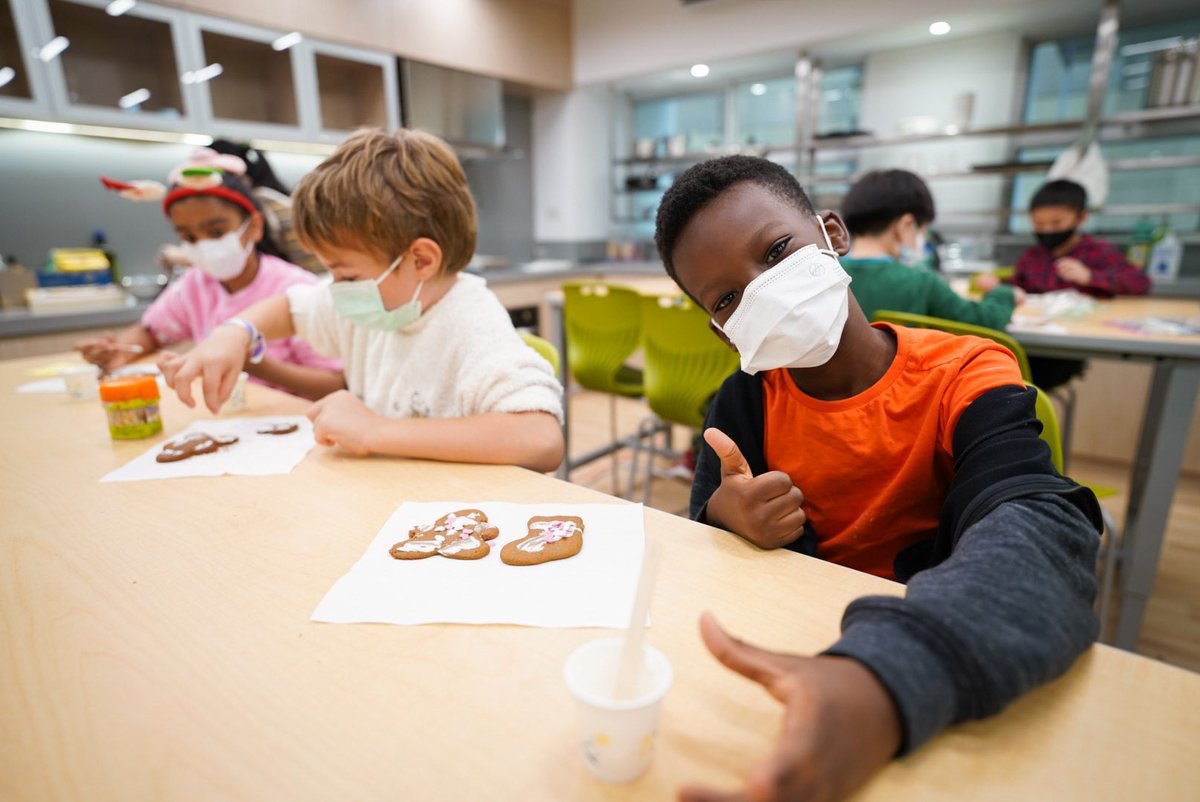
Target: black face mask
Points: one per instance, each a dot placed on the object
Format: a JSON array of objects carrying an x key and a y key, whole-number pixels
[{"x": 1052, "y": 239}]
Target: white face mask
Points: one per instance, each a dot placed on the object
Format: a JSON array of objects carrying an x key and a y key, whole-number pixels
[
  {"x": 913, "y": 255},
  {"x": 361, "y": 303},
  {"x": 223, "y": 258},
  {"x": 793, "y": 314}
]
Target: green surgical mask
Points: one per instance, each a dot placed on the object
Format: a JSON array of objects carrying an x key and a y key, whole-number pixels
[{"x": 361, "y": 303}]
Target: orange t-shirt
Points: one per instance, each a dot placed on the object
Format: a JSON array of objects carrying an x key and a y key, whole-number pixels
[{"x": 874, "y": 468}]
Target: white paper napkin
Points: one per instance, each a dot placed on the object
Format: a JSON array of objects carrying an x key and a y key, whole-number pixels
[{"x": 595, "y": 588}]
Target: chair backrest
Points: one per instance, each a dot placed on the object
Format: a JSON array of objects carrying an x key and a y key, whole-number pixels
[
  {"x": 603, "y": 325},
  {"x": 685, "y": 362},
  {"x": 954, "y": 327},
  {"x": 544, "y": 347},
  {"x": 1050, "y": 430}
]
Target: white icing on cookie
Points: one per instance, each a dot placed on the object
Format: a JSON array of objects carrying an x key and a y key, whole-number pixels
[{"x": 461, "y": 544}]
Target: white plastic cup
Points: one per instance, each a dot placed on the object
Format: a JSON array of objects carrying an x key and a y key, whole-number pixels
[
  {"x": 616, "y": 738},
  {"x": 82, "y": 381},
  {"x": 237, "y": 399}
]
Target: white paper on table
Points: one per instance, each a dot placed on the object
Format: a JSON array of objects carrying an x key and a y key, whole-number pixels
[
  {"x": 253, "y": 454},
  {"x": 56, "y": 385},
  {"x": 595, "y": 588}
]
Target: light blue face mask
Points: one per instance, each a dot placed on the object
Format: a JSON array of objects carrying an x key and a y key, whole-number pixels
[{"x": 361, "y": 303}]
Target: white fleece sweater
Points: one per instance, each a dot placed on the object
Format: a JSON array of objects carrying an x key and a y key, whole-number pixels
[{"x": 461, "y": 357}]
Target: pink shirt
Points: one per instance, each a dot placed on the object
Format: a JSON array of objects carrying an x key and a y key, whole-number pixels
[{"x": 196, "y": 304}]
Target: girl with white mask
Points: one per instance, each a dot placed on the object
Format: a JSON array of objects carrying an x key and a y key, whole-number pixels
[
  {"x": 233, "y": 264},
  {"x": 892, "y": 451}
]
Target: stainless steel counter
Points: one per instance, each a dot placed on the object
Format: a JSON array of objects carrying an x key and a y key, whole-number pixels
[{"x": 23, "y": 323}]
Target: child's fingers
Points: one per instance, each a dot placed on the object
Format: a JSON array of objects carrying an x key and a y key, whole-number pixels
[
  {"x": 789, "y": 528},
  {"x": 732, "y": 461},
  {"x": 211, "y": 386},
  {"x": 182, "y": 383},
  {"x": 771, "y": 485},
  {"x": 697, "y": 793},
  {"x": 750, "y": 661}
]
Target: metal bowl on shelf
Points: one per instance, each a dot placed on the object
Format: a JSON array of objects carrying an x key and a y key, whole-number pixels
[{"x": 144, "y": 286}]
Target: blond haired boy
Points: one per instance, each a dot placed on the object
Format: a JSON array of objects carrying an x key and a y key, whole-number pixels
[{"x": 434, "y": 368}]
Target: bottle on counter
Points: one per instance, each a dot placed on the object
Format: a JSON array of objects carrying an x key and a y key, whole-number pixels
[
  {"x": 1141, "y": 239},
  {"x": 1165, "y": 257},
  {"x": 100, "y": 243}
]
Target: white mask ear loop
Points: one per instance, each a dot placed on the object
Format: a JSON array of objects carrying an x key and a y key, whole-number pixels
[
  {"x": 395, "y": 263},
  {"x": 828, "y": 241}
]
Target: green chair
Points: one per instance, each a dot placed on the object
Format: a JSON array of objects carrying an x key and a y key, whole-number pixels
[
  {"x": 1110, "y": 547},
  {"x": 544, "y": 348},
  {"x": 954, "y": 327},
  {"x": 685, "y": 364},
  {"x": 603, "y": 327}
]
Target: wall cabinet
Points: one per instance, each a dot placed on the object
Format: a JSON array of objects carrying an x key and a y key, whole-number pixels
[{"x": 155, "y": 67}]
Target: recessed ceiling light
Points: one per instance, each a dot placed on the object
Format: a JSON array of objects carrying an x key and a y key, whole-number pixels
[
  {"x": 6, "y": 75},
  {"x": 699, "y": 70},
  {"x": 939, "y": 28},
  {"x": 758, "y": 89},
  {"x": 51, "y": 50},
  {"x": 134, "y": 99},
  {"x": 203, "y": 74},
  {"x": 287, "y": 40},
  {"x": 118, "y": 7}
]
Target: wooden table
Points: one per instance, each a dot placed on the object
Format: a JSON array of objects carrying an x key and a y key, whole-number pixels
[
  {"x": 156, "y": 646},
  {"x": 1165, "y": 422}
]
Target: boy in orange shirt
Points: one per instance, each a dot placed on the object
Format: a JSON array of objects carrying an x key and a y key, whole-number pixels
[{"x": 910, "y": 454}]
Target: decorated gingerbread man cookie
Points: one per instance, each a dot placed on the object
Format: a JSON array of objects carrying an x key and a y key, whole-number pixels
[
  {"x": 193, "y": 445},
  {"x": 460, "y": 535},
  {"x": 551, "y": 537}
]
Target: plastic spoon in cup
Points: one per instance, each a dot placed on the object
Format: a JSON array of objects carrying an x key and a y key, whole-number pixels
[{"x": 632, "y": 660}]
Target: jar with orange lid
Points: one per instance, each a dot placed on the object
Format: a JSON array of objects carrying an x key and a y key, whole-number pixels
[{"x": 132, "y": 406}]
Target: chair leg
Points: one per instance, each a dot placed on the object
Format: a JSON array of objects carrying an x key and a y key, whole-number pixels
[
  {"x": 612, "y": 431},
  {"x": 639, "y": 448},
  {"x": 659, "y": 427},
  {"x": 1109, "y": 557},
  {"x": 1066, "y": 397}
]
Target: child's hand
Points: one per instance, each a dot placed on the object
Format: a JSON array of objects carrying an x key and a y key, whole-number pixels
[
  {"x": 1073, "y": 270},
  {"x": 341, "y": 419},
  {"x": 218, "y": 361},
  {"x": 1019, "y": 296},
  {"x": 840, "y": 725},
  {"x": 102, "y": 351},
  {"x": 986, "y": 282},
  {"x": 764, "y": 509}
]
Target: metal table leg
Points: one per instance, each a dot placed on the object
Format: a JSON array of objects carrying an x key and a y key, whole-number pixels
[{"x": 1156, "y": 472}]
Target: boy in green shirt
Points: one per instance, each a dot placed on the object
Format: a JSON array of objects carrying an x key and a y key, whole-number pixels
[{"x": 887, "y": 213}]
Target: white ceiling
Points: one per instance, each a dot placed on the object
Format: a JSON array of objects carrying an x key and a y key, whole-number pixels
[{"x": 1034, "y": 19}]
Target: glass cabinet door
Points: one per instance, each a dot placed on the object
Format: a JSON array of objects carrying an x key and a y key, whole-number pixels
[
  {"x": 121, "y": 64},
  {"x": 14, "y": 76},
  {"x": 256, "y": 82},
  {"x": 354, "y": 89},
  {"x": 351, "y": 93}
]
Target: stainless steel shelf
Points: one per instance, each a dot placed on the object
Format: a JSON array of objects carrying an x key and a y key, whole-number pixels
[{"x": 1143, "y": 163}]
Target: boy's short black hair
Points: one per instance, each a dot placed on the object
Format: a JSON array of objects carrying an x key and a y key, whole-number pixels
[
  {"x": 700, "y": 184},
  {"x": 1060, "y": 193},
  {"x": 881, "y": 197}
]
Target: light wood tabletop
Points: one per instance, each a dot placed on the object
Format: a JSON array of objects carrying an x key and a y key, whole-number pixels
[
  {"x": 156, "y": 645},
  {"x": 1099, "y": 331}
]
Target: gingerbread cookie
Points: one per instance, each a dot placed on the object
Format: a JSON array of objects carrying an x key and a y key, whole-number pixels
[
  {"x": 278, "y": 428},
  {"x": 551, "y": 537},
  {"x": 193, "y": 445},
  {"x": 460, "y": 535}
]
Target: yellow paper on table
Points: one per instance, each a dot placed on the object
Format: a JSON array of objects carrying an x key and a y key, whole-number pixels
[{"x": 51, "y": 369}]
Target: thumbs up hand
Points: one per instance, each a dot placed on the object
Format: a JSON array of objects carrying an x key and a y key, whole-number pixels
[{"x": 764, "y": 509}]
